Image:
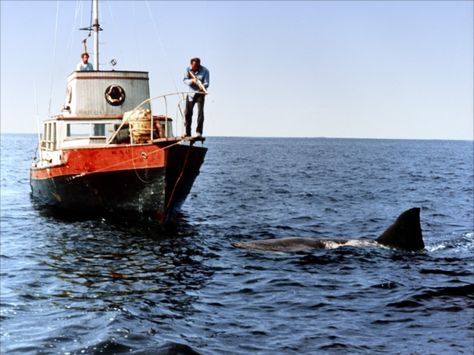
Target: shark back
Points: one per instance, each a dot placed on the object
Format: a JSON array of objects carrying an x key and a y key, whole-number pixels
[{"x": 405, "y": 232}]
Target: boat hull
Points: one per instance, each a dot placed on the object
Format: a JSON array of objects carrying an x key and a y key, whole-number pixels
[{"x": 154, "y": 188}]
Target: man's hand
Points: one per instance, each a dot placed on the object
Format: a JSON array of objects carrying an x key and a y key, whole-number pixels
[{"x": 196, "y": 81}]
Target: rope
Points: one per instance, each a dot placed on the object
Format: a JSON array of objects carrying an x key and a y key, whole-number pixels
[
  {"x": 178, "y": 180},
  {"x": 135, "y": 168},
  {"x": 138, "y": 175},
  {"x": 124, "y": 162}
]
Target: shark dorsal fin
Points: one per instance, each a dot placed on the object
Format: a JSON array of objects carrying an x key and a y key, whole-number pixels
[{"x": 405, "y": 232}]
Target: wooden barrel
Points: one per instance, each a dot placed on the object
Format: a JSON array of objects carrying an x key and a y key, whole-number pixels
[{"x": 140, "y": 125}]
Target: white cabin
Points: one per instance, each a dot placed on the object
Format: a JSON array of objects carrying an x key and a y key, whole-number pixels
[
  {"x": 105, "y": 94},
  {"x": 95, "y": 104}
]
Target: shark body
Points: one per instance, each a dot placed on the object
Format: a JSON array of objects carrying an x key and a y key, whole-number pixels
[{"x": 405, "y": 233}]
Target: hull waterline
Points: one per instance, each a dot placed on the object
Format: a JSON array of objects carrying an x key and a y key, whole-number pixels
[{"x": 134, "y": 191}]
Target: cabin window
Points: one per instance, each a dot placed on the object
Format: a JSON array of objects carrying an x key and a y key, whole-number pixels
[
  {"x": 53, "y": 135},
  {"x": 89, "y": 129},
  {"x": 48, "y": 133},
  {"x": 78, "y": 130},
  {"x": 99, "y": 129},
  {"x": 49, "y": 136}
]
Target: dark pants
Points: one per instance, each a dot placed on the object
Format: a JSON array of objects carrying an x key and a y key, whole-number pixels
[{"x": 188, "y": 114}]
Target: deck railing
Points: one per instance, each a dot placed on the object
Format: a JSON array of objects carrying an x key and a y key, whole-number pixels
[{"x": 181, "y": 96}]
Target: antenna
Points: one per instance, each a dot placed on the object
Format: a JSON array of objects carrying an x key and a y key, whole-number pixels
[{"x": 96, "y": 27}]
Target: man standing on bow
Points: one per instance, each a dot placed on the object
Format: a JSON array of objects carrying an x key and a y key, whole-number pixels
[{"x": 197, "y": 77}]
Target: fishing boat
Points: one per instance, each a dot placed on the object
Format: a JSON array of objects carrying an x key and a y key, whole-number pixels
[{"x": 107, "y": 152}]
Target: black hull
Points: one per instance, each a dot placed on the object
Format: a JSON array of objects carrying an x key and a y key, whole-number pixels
[{"x": 151, "y": 193}]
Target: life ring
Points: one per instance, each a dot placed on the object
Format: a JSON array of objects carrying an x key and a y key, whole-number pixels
[{"x": 115, "y": 95}]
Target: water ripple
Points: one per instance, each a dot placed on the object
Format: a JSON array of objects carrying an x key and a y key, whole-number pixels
[{"x": 72, "y": 285}]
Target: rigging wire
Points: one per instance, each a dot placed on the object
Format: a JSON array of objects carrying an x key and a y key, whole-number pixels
[
  {"x": 167, "y": 61},
  {"x": 84, "y": 41},
  {"x": 38, "y": 125},
  {"x": 54, "y": 57},
  {"x": 92, "y": 16},
  {"x": 73, "y": 29},
  {"x": 157, "y": 34},
  {"x": 110, "y": 12},
  {"x": 136, "y": 38},
  {"x": 117, "y": 50}
]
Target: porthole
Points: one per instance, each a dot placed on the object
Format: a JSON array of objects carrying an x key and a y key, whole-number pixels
[{"x": 115, "y": 95}]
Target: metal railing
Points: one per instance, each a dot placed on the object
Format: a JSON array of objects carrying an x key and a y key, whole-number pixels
[{"x": 180, "y": 94}]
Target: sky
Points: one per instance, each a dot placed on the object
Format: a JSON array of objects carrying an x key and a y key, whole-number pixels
[{"x": 351, "y": 69}]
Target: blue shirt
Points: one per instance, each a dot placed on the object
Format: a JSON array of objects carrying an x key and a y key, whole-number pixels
[
  {"x": 202, "y": 74},
  {"x": 84, "y": 67}
]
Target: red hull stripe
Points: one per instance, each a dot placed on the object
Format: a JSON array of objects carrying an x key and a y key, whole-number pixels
[{"x": 83, "y": 161}]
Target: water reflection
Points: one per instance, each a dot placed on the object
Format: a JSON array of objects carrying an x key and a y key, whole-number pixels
[
  {"x": 101, "y": 281},
  {"x": 99, "y": 265},
  {"x": 118, "y": 264}
]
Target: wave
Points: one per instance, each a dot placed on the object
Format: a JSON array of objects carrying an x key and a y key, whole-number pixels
[
  {"x": 112, "y": 346},
  {"x": 464, "y": 291},
  {"x": 459, "y": 243}
]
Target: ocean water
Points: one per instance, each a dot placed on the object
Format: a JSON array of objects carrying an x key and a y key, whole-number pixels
[{"x": 75, "y": 286}]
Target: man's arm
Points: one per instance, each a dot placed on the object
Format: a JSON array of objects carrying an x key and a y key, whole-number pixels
[
  {"x": 187, "y": 79},
  {"x": 205, "y": 79}
]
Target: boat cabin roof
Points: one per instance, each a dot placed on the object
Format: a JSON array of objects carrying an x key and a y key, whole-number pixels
[{"x": 104, "y": 94}]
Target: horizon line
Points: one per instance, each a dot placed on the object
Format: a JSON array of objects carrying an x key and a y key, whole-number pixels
[{"x": 299, "y": 137}]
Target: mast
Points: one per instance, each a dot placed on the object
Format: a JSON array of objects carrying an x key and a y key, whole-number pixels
[{"x": 96, "y": 27}]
